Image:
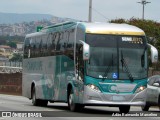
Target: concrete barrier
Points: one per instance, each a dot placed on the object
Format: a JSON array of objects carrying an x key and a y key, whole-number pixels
[{"x": 11, "y": 83}]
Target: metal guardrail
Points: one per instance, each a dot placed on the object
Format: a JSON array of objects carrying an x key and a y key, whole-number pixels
[
  {"x": 10, "y": 69},
  {"x": 12, "y": 64}
]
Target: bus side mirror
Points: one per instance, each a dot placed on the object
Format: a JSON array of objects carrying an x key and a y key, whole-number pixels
[
  {"x": 86, "y": 50},
  {"x": 156, "y": 84},
  {"x": 154, "y": 53}
]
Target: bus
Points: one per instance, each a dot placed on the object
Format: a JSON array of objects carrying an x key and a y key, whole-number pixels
[{"x": 87, "y": 64}]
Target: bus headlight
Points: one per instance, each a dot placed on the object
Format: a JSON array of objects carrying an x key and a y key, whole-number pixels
[
  {"x": 139, "y": 89},
  {"x": 93, "y": 87}
]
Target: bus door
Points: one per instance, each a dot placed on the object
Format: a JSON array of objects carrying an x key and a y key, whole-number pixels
[{"x": 79, "y": 72}]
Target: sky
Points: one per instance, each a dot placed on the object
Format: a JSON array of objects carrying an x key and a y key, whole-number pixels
[{"x": 103, "y": 10}]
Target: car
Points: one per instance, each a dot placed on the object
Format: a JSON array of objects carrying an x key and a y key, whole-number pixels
[{"x": 153, "y": 93}]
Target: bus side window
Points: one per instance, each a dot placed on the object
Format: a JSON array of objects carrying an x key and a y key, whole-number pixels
[
  {"x": 53, "y": 44},
  {"x": 44, "y": 45},
  {"x": 32, "y": 47},
  {"x": 26, "y": 48},
  {"x": 70, "y": 44},
  {"x": 65, "y": 40},
  {"x": 61, "y": 42},
  {"x": 37, "y": 50},
  {"x": 40, "y": 48},
  {"x": 57, "y": 43},
  {"x": 49, "y": 44},
  {"x": 65, "y": 44}
]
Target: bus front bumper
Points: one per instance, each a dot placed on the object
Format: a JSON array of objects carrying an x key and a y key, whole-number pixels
[{"x": 92, "y": 97}]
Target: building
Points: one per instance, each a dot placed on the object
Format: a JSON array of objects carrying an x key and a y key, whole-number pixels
[
  {"x": 5, "y": 48},
  {"x": 20, "y": 45}
]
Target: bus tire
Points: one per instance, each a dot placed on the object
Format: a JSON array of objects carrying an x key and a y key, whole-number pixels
[
  {"x": 35, "y": 101},
  {"x": 124, "y": 108},
  {"x": 145, "y": 107},
  {"x": 44, "y": 102},
  {"x": 71, "y": 103}
]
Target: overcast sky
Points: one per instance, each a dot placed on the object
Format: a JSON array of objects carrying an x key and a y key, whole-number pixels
[{"x": 104, "y": 10}]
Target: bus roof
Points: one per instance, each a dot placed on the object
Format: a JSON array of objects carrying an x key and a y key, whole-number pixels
[
  {"x": 95, "y": 28},
  {"x": 34, "y": 34},
  {"x": 112, "y": 28}
]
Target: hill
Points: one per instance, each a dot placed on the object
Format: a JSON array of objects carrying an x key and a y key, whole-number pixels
[{"x": 11, "y": 18}]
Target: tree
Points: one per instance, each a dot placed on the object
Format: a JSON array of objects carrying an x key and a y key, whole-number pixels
[
  {"x": 12, "y": 44},
  {"x": 16, "y": 57}
]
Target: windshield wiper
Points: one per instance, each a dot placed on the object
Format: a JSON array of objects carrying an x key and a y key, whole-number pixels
[
  {"x": 108, "y": 69},
  {"x": 126, "y": 67}
]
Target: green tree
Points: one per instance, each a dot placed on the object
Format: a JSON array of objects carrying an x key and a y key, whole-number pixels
[
  {"x": 12, "y": 44},
  {"x": 16, "y": 57}
]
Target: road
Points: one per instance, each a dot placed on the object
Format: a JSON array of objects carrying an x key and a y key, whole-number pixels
[{"x": 59, "y": 111}]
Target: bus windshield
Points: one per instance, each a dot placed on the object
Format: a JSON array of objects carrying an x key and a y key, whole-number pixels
[{"x": 117, "y": 57}]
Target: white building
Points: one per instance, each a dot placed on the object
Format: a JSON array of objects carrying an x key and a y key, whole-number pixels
[{"x": 20, "y": 45}]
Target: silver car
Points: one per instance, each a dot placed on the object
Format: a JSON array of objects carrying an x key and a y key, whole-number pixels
[{"x": 153, "y": 92}]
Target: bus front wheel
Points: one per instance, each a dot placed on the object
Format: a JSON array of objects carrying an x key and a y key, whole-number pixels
[
  {"x": 145, "y": 108},
  {"x": 71, "y": 103},
  {"x": 124, "y": 108}
]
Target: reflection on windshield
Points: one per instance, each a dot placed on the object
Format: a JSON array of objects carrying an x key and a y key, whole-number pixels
[
  {"x": 133, "y": 60},
  {"x": 123, "y": 61},
  {"x": 105, "y": 60},
  {"x": 102, "y": 62}
]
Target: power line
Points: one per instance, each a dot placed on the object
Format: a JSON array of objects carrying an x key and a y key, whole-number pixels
[
  {"x": 90, "y": 12},
  {"x": 100, "y": 13}
]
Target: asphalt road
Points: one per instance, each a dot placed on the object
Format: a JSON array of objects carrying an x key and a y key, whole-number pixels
[{"x": 18, "y": 107}]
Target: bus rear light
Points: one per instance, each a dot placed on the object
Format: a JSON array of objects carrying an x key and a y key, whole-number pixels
[{"x": 93, "y": 87}]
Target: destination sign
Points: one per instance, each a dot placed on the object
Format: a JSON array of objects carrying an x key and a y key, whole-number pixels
[{"x": 134, "y": 40}]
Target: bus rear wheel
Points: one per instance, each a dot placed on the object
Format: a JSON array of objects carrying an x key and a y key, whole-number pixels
[
  {"x": 37, "y": 102},
  {"x": 124, "y": 108},
  {"x": 71, "y": 103},
  {"x": 145, "y": 108}
]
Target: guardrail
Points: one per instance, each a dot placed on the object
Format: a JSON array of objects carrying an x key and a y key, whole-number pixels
[
  {"x": 12, "y": 64},
  {"x": 10, "y": 69}
]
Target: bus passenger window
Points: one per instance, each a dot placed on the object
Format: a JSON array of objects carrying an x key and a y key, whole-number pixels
[
  {"x": 26, "y": 47},
  {"x": 70, "y": 44},
  {"x": 40, "y": 48},
  {"x": 32, "y": 47},
  {"x": 53, "y": 44},
  {"x": 57, "y": 40},
  {"x": 37, "y": 51},
  {"x": 49, "y": 44}
]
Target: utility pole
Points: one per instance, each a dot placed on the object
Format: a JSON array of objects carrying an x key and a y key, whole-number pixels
[
  {"x": 90, "y": 11},
  {"x": 143, "y": 2}
]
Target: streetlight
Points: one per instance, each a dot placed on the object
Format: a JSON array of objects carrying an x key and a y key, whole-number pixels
[
  {"x": 90, "y": 11},
  {"x": 143, "y": 2}
]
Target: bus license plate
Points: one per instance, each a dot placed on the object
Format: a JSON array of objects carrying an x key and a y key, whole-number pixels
[{"x": 118, "y": 98}]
